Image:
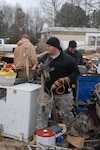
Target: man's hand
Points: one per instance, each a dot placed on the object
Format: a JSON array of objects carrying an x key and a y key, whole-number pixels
[
  {"x": 43, "y": 69},
  {"x": 39, "y": 69},
  {"x": 64, "y": 80},
  {"x": 61, "y": 82}
]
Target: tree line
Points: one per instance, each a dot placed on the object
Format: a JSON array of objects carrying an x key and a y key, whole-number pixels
[{"x": 14, "y": 21}]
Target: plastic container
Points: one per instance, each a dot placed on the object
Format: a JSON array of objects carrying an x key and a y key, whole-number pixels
[
  {"x": 85, "y": 85},
  {"x": 7, "y": 80},
  {"x": 45, "y": 137},
  {"x": 57, "y": 129},
  {"x": 7, "y": 76},
  {"x": 60, "y": 139}
]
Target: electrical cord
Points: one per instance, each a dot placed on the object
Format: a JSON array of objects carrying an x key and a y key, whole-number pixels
[
  {"x": 61, "y": 85},
  {"x": 58, "y": 87}
]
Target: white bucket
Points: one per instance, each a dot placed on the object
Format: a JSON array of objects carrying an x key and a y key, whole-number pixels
[{"x": 45, "y": 137}]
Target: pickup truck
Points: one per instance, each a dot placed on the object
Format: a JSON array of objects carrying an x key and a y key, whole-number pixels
[{"x": 6, "y": 47}]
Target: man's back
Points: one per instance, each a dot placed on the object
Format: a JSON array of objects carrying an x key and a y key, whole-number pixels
[
  {"x": 25, "y": 57},
  {"x": 24, "y": 48}
]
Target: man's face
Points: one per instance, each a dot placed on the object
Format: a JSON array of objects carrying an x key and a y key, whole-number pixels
[
  {"x": 72, "y": 50},
  {"x": 50, "y": 49}
]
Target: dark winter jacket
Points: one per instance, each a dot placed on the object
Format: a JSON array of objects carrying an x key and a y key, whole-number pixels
[
  {"x": 64, "y": 66},
  {"x": 77, "y": 56}
]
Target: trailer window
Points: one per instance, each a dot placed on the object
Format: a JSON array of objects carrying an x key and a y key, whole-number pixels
[
  {"x": 98, "y": 41},
  {"x": 91, "y": 41},
  {"x": 0, "y": 41}
]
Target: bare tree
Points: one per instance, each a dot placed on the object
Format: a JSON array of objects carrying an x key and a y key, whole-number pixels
[
  {"x": 9, "y": 14},
  {"x": 75, "y": 2},
  {"x": 88, "y": 5},
  {"x": 8, "y": 18},
  {"x": 14, "y": 21},
  {"x": 33, "y": 19},
  {"x": 50, "y": 9}
]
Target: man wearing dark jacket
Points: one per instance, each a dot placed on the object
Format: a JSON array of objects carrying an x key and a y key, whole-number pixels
[
  {"x": 72, "y": 51},
  {"x": 63, "y": 72},
  {"x": 78, "y": 57}
]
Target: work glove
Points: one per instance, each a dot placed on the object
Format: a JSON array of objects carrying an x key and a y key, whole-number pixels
[
  {"x": 42, "y": 68},
  {"x": 39, "y": 68}
]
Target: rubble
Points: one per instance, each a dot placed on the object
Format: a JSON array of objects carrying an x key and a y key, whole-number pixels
[{"x": 84, "y": 134}]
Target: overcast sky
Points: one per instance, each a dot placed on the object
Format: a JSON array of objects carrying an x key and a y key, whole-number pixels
[
  {"x": 26, "y": 4},
  {"x": 23, "y": 3}
]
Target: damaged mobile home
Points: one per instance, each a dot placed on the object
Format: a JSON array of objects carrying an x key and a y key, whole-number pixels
[{"x": 87, "y": 38}]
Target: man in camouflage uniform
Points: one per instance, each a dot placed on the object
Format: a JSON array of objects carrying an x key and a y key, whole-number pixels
[{"x": 63, "y": 73}]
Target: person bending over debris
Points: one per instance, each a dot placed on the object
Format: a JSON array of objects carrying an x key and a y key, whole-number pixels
[{"x": 59, "y": 71}]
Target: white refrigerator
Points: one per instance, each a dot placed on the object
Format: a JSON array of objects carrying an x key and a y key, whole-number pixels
[{"x": 19, "y": 110}]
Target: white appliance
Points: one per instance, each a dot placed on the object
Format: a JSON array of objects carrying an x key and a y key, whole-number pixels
[{"x": 19, "y": 110}]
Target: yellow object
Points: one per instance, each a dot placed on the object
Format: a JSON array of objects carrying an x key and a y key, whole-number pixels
[
  {"x": 73, "y": 86},
  {"x": 34, "y": 136},
  {"x": 63, "y": 126},
  {"x": 7, "y": 72}
]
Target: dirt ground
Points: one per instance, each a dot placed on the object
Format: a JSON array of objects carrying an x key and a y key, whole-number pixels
[{"x": 12, "y": 144}]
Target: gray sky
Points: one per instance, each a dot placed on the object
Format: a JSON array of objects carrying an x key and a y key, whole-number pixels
[
  {"x": 26, "y": 4},
  {"x": 23, "y": 3}
]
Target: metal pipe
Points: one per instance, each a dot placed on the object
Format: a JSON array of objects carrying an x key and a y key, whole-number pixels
[
  {"x": 96, "y": 140},
  {"x": 27, "y": 61}
]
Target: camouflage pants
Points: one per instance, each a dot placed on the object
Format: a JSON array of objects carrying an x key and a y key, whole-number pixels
[{"x": 63, "y": 102}]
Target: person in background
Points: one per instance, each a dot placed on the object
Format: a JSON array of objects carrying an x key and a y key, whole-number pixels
[
  {"x": 78, "y": 57},
  {"x": 72, "y": 51},
  {"x": 25, "y": 56},
  {"x": 62, "y": 73}
]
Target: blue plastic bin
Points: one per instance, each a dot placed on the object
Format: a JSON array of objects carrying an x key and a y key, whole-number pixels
[{"x": 85, "y": 85}]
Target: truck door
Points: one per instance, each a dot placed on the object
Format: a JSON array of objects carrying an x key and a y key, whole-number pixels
[{"x": 1, "y": 45}]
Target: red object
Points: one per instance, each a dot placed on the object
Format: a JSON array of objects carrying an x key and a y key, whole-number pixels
[
  {"x": 12, "y": 66},
  {"x": 45, "y": 133}
]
